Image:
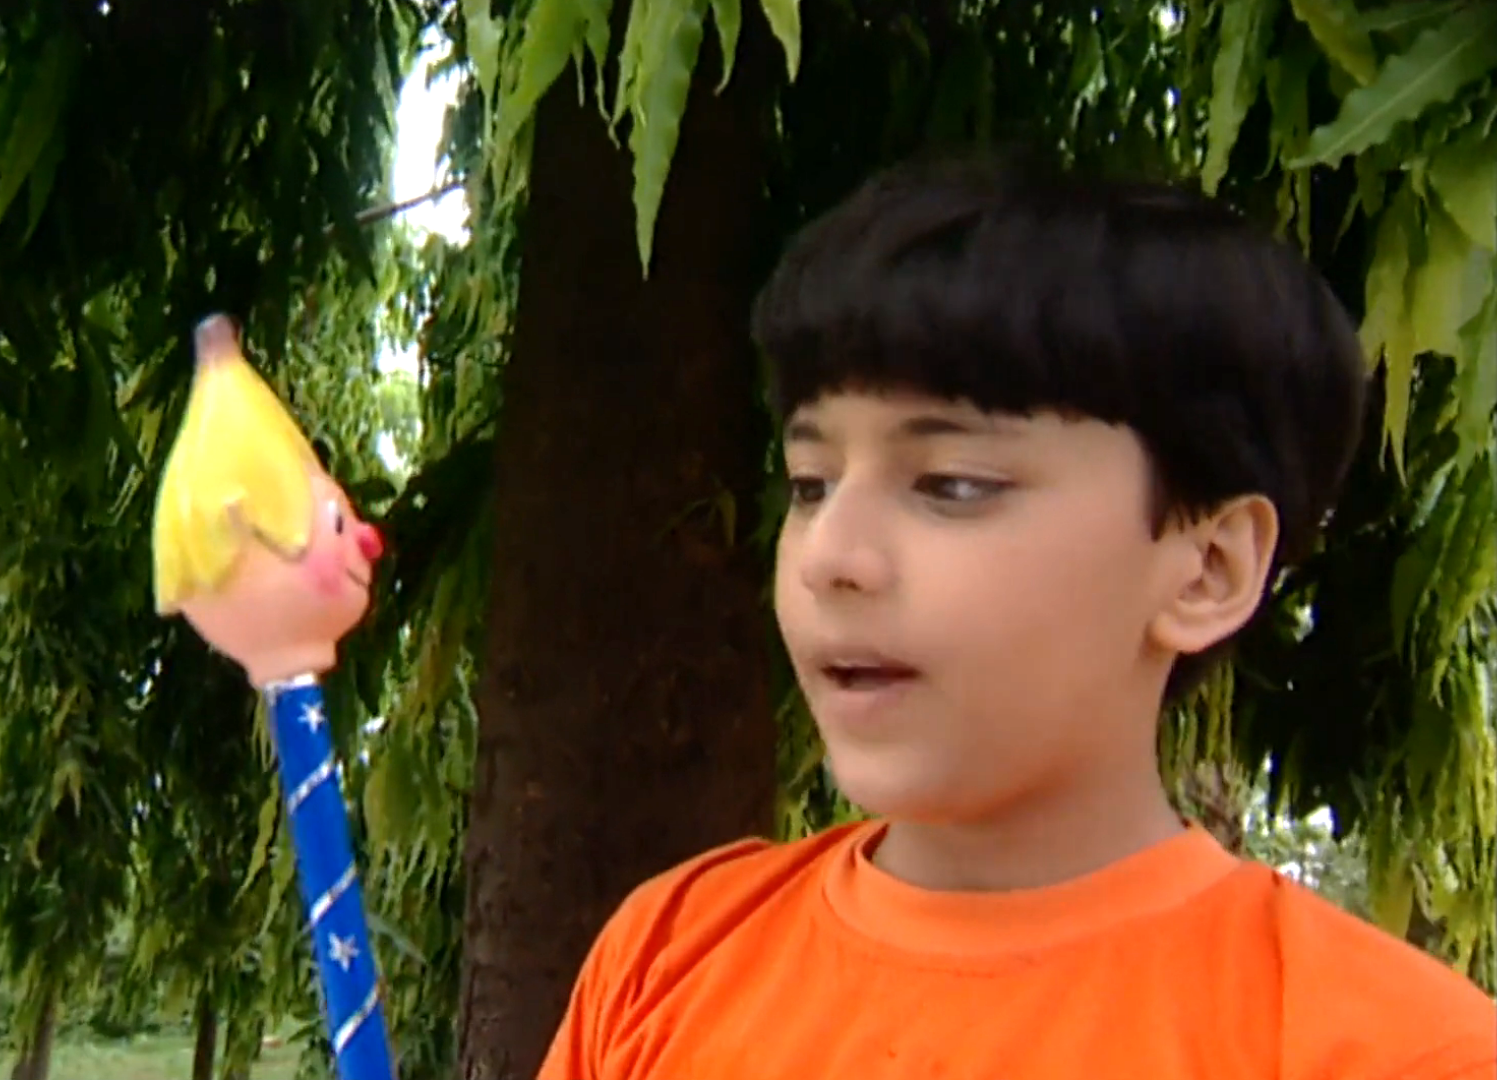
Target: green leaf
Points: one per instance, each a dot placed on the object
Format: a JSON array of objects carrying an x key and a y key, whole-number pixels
[
  {"x": 1442, "y": 60},
  {"x": 784, "y": 20},
  {"x": 629, "y": 58},
  {"x": 39, "y": 185},
  {"x": 1435, "y": 287},
  {"x": 668, "y": 54},
  {"x": 1464, "y": 175},
  {"x": 1417, "y": 593},
  {"x": 1408, "y": 591},
  {"x": 380, "y": 927},
  {"x": 1391, "y": 18},
  {"x": 1476, "y": 384},
  {"x": 1426, "y": 749},
  {"x": 392, "y": 800},
  {"x": 554, "y": 30},
  {"x": 67, "y": 782},
  {"x": 727, "y": 16},
  {"x": 1398, "y": 375},
  {"x": 1385, "y": 286},
  {"x": 597, "y": 32},
  {"x": 484, "y": 35},
  {"x": 1087, "y": 71},
  {"x": 1334, "y": 25},
  {"x": 1467, "y": 572},
  {"x": 264, "y": 834},
  {"x": 1386, "y": 330},
  {"x": 1246, "y": 30},
  {"x": 1286, "y": 81},
  {"x": 1391, "y": 893},
  {"x": 44, "y": 96}
]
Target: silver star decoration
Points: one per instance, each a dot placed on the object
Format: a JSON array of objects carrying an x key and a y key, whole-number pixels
[
  {"x": 311, "y": 715},
  {"x": 342, "y": 950}
]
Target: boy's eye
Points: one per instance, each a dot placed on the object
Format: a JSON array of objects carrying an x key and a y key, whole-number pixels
[
  {"x": 807, "y": 490},
  {"x": 959, "y": 489}
]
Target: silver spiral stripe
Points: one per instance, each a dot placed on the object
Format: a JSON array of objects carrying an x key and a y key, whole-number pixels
[
  {"x": 351, "y": 1026},
  {"x": 325, "y": 902},
  {"x": 319, "y": 775}
]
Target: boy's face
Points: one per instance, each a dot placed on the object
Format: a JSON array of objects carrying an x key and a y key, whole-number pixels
[{"x": 971, "y": 601}]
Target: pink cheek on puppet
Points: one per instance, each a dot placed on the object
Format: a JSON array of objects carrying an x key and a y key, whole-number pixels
[{"x": 325, "y": 570}]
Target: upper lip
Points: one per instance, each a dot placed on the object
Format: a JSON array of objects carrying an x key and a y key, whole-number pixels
[{"x": 832, "y": 659}]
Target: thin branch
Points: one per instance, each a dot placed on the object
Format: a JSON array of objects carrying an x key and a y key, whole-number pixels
[{"x": 389, "y": 210}]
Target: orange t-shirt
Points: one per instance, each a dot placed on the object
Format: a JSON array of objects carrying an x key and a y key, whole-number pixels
[{"x": 803, "y": 961}]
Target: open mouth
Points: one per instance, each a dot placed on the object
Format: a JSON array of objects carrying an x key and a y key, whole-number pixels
[{"x": 865, "y": 676}]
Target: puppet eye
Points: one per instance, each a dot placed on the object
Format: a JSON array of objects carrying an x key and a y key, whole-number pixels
[{"x": 335, "y": 513}]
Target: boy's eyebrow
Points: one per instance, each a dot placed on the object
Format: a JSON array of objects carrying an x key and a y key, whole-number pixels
[
  {"x": 802, "y": 431},
  {"x": 920, "y": 427},
  {"x": 915, "y": 427}
]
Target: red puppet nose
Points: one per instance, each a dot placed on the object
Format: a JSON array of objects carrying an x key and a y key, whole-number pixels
[{"x": 370, "y": 544}]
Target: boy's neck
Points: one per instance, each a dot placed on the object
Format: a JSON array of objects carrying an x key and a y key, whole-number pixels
[{"x": 1054, "y": 837}]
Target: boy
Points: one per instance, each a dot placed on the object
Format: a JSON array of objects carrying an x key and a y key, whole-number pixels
[{"x": 1048, "y": 444}]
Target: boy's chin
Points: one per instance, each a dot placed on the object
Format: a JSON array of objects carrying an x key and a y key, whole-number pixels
[{"x": 891, "y": 789}]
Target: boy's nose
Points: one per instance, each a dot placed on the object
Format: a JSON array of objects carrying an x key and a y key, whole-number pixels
[
  {"x": 858, "y": 569},
  {"x": 838, "y": 556},
  {"x": 371, "y": 546}
]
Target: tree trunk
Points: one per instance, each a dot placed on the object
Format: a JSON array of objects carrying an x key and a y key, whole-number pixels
[
  {"x": 34, "y": 1056},
  {"x": 205, "y": 1036},
  {"x": 243, "y": 1042},
  {"x": 625, "y": 722}
]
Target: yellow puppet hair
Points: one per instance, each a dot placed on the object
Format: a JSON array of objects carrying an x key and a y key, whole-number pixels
[{"x": 240, "y": 467}]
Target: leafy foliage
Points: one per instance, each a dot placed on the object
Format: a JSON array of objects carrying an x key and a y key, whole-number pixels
[
  {"x": 1369, "y": 683},
  {"x": 656, "y": 58},
  {"x": 159, "y": 165}
]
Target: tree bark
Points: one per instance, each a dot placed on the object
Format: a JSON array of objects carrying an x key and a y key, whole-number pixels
[
  {"x": 34, "y": 1056},
  {"x": 625, "y": 722},
  {"x": 205, "y": 1037}
]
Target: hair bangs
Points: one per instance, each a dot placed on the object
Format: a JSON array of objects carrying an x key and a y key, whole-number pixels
[{"x": 982, "y": 309}]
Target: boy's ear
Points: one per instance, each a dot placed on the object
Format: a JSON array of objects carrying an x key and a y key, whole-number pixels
[{"x": 1227, "y": 558}]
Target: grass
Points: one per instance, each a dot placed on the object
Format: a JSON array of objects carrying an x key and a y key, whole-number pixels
[{"x": 162, "y": 1057}]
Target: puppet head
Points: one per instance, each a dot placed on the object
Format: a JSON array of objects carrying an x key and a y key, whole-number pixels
[{"x": 253, "y": 543}]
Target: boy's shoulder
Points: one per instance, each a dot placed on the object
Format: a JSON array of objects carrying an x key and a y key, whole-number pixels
[
  {"x": 705, "y": 896},
  {"x": 673, "y": 921},
  {"x": 746, "y": 870},
  {"x": 1352, "y": 991}
]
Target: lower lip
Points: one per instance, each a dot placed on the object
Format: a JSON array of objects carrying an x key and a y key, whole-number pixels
[{"x": 862, "y": 704}]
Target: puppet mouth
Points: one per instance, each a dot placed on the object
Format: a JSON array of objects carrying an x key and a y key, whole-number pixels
[{"x": 361, "y": 582}]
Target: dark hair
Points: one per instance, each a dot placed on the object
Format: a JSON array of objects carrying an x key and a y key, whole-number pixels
[{"x": 1022, "y": 290}]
